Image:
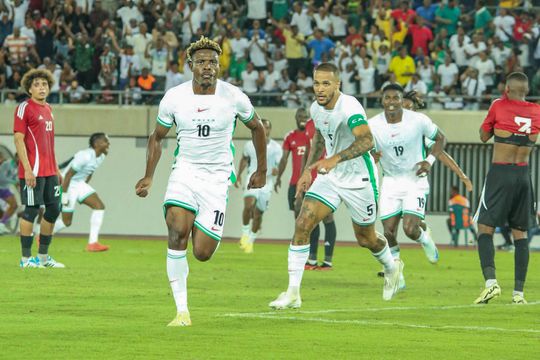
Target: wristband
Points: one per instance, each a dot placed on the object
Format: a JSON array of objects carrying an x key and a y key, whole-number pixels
[{"x": 431, "y": 159}]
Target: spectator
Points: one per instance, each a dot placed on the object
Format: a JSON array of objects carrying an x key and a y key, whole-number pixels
[
  {"x": 166, "y": 34},
  {"x": 140, "y": 42},
  {"x": 146, "y": 82},
  {"x": 6, "y": 27},
  {"x": 447, "y": 17},
  {"x": 29, "y": 31},
  {"x": 472, "y": 87},
  {"x": 504, "y": 25},
  {"x": 159, "y": 55},
  {"x": 133, "y": 93},
  {"x": 84, "y": 53},
  {"x": 10, "y": 99},
  {"x": 454, "y": 101},
  {"x": 402, "y": 66},
  {"x": 174, "y": 77},
  {"x": 448, "y": 74},
  {"x": 458, "y": 52},
  {"x": 256, "y": 10},
  {"x": 421, "y": 36},
  {"x": 280, "y": 62},
  {"x": 427, "y": 12},
  {"x": 280, "y": 9},
  {"x": 294, "y": 48},
  {"x": 459, "y": 34},
  {"x": 320, "y": 45},
  {"x": 268, "y": 80},
  {"x": 348, "y": 76},
  {"x": 437, "y": 98},
  {"x": 338, "y": 24},
  {"x": 127, "y": 12},
  {"x": 192, "y": 19},
  {"x": 256, "y": 30},
  {"x": 257, "y": 52},
  {"x": 66, "y": 76},
  {"x": 45, "y": 42},
  {"x": 98, "y": 15},
  {"x": 382, "y": 63},
  {"x": 474, "y": 49},
  {"x": 417, "y": 85},
  {"x": 249, "y": 79},
  {"x": 76, "y": 93},
  {"x": 284, "y": 82},
  {"x": 107, "y": 74},
  {"x": 292, "y": 97},
  {"x": 304, "y": 82},
  {"x": 404, "y": 14},
  {"x": 366, "y": 76},
  {"x": 354, "y": 39},
  {"x": 486, "y": 70},
  {"x": 427, "y": 72},
  {"x": 322, "y": 20},
  {"x": 302, "y": 18},
  {"x": 18, "y": 46},
  {"x": 482, "y": 16},
  {"x": 20, "y": 8},
  {"x": 239, "y": 47}
]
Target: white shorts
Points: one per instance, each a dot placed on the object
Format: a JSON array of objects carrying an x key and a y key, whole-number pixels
[
  {"x": 262, "y": 197},
  {"x": 401, "y": 196},
  {"x": 207, "y": 200},
  {"x": 78, "y": 191},
  {"x": 362, "y": 203}
]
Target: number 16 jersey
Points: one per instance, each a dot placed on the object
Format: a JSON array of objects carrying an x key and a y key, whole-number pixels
[{"x": 204, "y": 127}]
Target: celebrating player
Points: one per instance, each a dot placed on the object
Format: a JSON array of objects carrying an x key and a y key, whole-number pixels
[
  {"x": 348, "y": 175},
  {"x": 399, "y": 139},
  {"x": 38, "y": 172},
  {"x": 75, "y": 188},
  {"x": 204, "y": 111},
  {"x": 256, "y": 200},
  {"x": 508, "y": 196}
]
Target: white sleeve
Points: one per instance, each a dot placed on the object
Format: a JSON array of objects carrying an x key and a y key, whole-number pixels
[
  {"x": 79, "y": 160},
  {"x": 165, "y": 114},
  {"x": 429, "y": 129},
  {"x": 355, "y": 113},
  {"x": 244, "y": 109}
]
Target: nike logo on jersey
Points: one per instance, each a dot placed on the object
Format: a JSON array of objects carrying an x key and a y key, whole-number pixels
[
  {"x": 201, "y": 110},
  {"x": 393, "y": 135},
  {"x": 215, "y": 228}
]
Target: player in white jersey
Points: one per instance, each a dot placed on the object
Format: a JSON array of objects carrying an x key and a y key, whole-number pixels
[
  {"x": 204, "y": 111},
  {"x": 75, "y": 188},
  {"x": 399, "y": 138},
  {"x": 348, "y": 175},
  {"x": 256, "y": 201}
]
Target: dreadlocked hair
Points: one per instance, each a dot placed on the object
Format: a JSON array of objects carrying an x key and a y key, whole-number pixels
[
  {"x": 415, "y": 98},
  {"x": 202, "y": 43}
]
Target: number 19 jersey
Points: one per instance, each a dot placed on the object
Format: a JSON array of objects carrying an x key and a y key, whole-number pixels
[{"x": 205, "y": 126}]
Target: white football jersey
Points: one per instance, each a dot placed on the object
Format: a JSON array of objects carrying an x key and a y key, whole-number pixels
[
  {"x": 273, "y": 157},
  {"x": 84, "y": 163},
  {"x": 336, "y": 127},
  {"x": 205, "y": 126},
  {"x": 402, "y": 144}
]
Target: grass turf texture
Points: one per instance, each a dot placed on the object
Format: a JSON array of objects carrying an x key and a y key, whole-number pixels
[{"x": 117, "y": 305}]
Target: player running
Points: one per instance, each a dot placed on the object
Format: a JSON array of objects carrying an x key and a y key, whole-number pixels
[
  {"x": 399, "y": 139},
  {"x": 348, "y": 175},
  {"x": 204, "y": 111},
  {"x": 75, "y": 189},
  {"x": 508, "y": 195},
  {"x": 256, "y": 201}
]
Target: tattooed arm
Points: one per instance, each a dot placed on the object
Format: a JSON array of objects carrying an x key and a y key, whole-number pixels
[{"x": 362, "y": 144}]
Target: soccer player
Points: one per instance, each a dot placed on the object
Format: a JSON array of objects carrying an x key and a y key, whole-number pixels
[
  {"x": 256, "y": 201},
  {"x": 508, "y": 196},
  {"x": 75, "y": 188},
  {"x": 8, "y": 177},
  {"x": 298, "y": 142},
  {"x": 348, "y": 175},
  {"x": 204, "y": 111},
  {"x": 38, "y": 172},
  {"x": 399, "y": 138}
]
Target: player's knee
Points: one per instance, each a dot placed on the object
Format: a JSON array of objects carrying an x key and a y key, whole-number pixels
[
  {"x": 67, "y": 222},
  {"x": 390, "y": 234},
  {"x": 100, "y": 206},
  {"x": 30, "y": 213},
  {"x": 304, "y": 225},
  {"x": 412, "y": 230},
  {"x": 51, "y": 213},
  {"x": 202, "y": 254}
]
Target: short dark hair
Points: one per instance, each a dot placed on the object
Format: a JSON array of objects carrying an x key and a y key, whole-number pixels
[
  {"x": 390, "y": 87},
  {"x": 95, "y": 137},
  {"x": 33, "y": 74},
  {"x": 328, "y": 67},
  {"x": 519, "y": 76}
]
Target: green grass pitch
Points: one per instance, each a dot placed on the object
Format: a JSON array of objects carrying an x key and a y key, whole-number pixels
[{"x": 117, "y": 305}]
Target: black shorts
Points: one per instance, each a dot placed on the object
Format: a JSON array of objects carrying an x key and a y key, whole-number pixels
[
  {"x": 290, "y": 196},
  {"x": 507, "y": 198},
  {"x": 46, "y": 192}
]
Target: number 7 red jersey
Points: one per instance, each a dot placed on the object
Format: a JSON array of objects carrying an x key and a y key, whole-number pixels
[
  {"x": 36, "y": 122},
  {"x": 518, "y": 117}
]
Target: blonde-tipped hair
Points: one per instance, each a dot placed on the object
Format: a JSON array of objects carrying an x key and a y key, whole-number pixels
[{"x": 202, "y": 43}]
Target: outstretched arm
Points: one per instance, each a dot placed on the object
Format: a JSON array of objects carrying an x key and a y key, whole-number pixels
[{"x": 450, "y": 163}]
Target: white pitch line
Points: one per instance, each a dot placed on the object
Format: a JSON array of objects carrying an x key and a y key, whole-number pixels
[
  {"x": 382, "y": 323},
  {"x": 395, "y": 308}
]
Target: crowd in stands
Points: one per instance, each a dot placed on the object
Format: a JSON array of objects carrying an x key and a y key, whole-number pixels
[{"x": 449, "y": 51}]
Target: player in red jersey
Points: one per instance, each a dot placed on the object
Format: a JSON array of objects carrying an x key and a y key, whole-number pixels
[
  {"x": 297, "y": 143},
  {"x": 38, "y": 172},
  {"x": 507, "y": 197}
]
